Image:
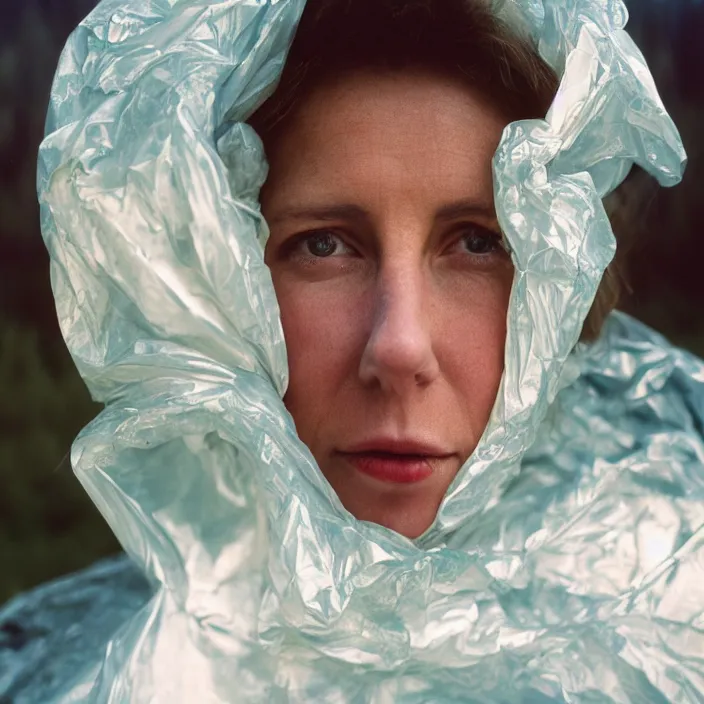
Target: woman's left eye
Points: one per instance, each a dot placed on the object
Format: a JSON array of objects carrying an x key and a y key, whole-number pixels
[{"x": 480, "y": 241}]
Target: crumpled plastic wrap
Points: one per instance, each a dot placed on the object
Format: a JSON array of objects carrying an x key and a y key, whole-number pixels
[{"x": 566, "y": 561}]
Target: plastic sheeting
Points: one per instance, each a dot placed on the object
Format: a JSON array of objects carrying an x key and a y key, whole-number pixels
[{"x": 566, "y": 561}]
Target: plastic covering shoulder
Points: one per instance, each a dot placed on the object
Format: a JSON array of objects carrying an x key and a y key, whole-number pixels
[{"x": 566, "y": 561}]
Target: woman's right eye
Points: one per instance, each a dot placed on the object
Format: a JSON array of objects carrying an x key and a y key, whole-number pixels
[{"x": 319, "y": 245}]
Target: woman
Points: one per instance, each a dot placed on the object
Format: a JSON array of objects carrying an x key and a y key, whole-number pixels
[
  {"x": 351, "y": 433},
  {"x": 384, "y": 248}
]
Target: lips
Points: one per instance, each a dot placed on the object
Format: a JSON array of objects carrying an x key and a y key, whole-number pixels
[{"x": 396, "y": 461}]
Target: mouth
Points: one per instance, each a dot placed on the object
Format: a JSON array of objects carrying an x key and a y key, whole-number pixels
[{"x": 396, "y": 462}]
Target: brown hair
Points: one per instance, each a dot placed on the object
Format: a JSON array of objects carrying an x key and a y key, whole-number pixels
[{"x": 461, "y": 39}]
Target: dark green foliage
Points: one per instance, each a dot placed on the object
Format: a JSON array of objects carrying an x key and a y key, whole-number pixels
[{"x": 48, "y": 524}]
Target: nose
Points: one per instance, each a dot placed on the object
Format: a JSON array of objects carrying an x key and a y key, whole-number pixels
[{"x": 399, "y": 354}]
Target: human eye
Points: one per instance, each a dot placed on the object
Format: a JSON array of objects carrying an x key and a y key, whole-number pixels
[
  {"x": 479, "y": 242},
  {"x": 316, "y": 245}
]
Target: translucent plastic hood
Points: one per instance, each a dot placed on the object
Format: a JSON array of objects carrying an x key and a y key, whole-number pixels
[{"x": 566, "y": 560}]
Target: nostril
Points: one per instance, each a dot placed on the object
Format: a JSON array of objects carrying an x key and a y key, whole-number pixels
[{"x": 404, "y": 367}]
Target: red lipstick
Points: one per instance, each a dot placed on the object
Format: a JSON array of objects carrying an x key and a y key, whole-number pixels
[
  {"x": 397, "y": 469},
  {"x": 395, "y": 461}
]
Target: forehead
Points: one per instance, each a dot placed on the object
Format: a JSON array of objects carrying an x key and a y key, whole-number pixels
[{"x": 386, "y": 134}]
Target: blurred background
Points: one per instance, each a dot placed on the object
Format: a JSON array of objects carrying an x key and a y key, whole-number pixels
[{"x": 47, "y": 524}]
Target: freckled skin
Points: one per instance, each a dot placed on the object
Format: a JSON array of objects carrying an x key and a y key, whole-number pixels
[{"x": 400, "y": 331}]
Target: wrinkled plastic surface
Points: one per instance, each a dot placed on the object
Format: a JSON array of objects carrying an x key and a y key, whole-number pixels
[
  {"x": 50, "y": 635},
  {"x": 566, "y": 561}
]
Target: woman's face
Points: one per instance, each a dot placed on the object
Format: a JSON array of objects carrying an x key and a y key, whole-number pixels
[{"x": 393, "y": 286}]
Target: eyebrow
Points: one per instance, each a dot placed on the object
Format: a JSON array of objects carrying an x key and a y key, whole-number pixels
[
  {"x": 466, "y": 208},
  {"x": 352, "y": 212},
  {"x": 342, "y": 211}
]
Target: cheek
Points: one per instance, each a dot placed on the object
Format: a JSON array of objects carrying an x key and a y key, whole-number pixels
[
  {"x": 322, "y": 326},
  {"x": 472, "y": 348}
]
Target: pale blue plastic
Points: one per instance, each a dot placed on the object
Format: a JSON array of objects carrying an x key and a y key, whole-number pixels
[{"x": 566, "y": 562}]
